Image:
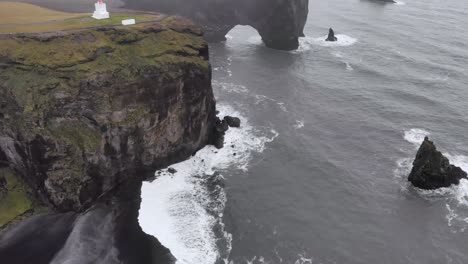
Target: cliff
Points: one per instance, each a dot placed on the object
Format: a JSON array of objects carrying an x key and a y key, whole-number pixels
[
  {"x": 280, "y": 23},
  {"x": 82, "y": 110}
]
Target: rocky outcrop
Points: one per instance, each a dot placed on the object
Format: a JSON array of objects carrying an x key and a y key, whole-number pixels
[
  {"x": 432, "y": 170},
  {"x": 232, "y": 121},
  {"x": 280, "y": 23},
  {"x": 82, "y": 111},
  {"x": 331, "y": 35}
]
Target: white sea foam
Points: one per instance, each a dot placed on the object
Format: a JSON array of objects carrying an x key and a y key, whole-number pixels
[
  {"x": 230, "y": 87},
  {"x": 416, "y": 136},
  {"x": 255, "y": 40},
  {"x": 299, "y": 124},
  {"x": 307, "y": 43},
  {"x": 349, "y": 67},
  {"x": 179, "y": 208},
  {"x": 400, "y": 3},
  {"x": 303, "y": 260}
]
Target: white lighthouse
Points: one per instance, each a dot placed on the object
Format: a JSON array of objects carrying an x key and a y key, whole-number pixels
[{"x": 101, "y": 10}]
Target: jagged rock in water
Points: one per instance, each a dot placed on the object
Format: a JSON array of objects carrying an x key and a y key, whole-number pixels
[
  {"x": 331, "y": 35},
  {"x": 280, "y": 23},
  {"x": 221, "y": 127},
  {"x": 84, "y": 110},
  {"x": 232, "y": 121},
  {"x": 432, "y": 170}
]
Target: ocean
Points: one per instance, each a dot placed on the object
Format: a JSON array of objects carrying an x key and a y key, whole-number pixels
[{"x": 318, "y": 171}]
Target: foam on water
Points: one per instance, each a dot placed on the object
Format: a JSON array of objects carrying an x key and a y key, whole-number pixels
[
  {"x": 181, "y": 210},
  {"x": 230, "y": 87},
  {"x": 255, "y": 40},
  {"x": 455, "y": 195},
  {"x": 416, "y": 136},
  {"x": 400, "y": 3},
  {"x": 299, "y": 124},
  {"x": 307, "y": 43}
]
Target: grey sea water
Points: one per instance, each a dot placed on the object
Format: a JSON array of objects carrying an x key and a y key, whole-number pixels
[{"x": 331, "y": 188}]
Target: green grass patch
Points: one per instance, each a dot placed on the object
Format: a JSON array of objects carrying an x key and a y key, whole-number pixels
[{"x": 16, "y": 200}]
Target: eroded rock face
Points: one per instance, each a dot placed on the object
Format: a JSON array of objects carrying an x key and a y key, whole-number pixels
[
  {"x": 279, "y": 22},
  {"x": 432, "y": 170},
  {"x": 83, "y": 111}
]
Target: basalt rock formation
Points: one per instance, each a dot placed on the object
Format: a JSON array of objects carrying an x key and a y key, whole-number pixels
[
  {"x": 280, "y": 23},
  {"x": 232, "y": 121},
  {"x": 331, "y": 35},
  {"x": 432, "y": 170},
  {"x": 82, "y": 111}
]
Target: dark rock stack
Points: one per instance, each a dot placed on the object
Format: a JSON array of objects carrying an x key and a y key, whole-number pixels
[
  {"x": 432, "y": 170},
  {"x": 221, "y": 127},
  {"x": 331, "y": 35},
  {"x": 220, "y": 131},
  {"x": 280, "y": 23}
]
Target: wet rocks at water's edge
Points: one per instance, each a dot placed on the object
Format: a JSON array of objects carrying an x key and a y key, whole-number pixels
[
  {"x": 221, "y": 127},
  {"x": 432, "y": 170},
  {"x": 232, "y": 121}
]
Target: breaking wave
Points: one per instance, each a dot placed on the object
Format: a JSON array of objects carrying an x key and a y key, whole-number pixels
[
  {"x": 184, "y": 210},
  {"x": 307, "y": 43}
]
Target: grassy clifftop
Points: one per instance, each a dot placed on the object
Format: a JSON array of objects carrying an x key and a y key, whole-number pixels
[
  {"x": 83, "y": 108},
  {"x": 28, "y": 18}
]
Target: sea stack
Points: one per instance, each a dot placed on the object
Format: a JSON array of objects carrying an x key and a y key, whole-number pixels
[
  {"x": 331, "y": 35},
  {"x": 432, "y": 170}
]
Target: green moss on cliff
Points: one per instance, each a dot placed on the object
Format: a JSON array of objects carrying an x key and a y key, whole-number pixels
[
  {"x": 15, "y": 200},
  {"x": 72, "y": 96},
  {"x": 47, "y": 71},
  {"x": 77, "y": 134}
]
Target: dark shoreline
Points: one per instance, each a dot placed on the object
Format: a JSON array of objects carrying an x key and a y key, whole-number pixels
[{"x": 41, "y": 238}]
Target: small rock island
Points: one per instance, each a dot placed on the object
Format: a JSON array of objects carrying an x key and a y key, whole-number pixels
[
  {"x": 331, "y": 35},
  {"x": 432, "y": 170}
]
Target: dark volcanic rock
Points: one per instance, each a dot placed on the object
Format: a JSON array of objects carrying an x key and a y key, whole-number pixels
[
  {"x": 280, "y": 23},
  {"x": 331, "y": 35},
  {"x": 219, "y": 132},
  {"x": 89, "y": 109},
  {"x": 109, "y": 232},
  {"x": 232, "y": 121},
  {"x": 171, "y": 170},
  {"x": 432, "y": 170}
]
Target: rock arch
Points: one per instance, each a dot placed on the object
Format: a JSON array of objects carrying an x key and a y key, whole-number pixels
[{"x": 280, "y": 23}]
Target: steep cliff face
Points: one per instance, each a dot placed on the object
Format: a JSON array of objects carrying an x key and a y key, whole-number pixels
[
  {"x": 279, "y": 22},
  {"x": 83, "y": 110}
]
